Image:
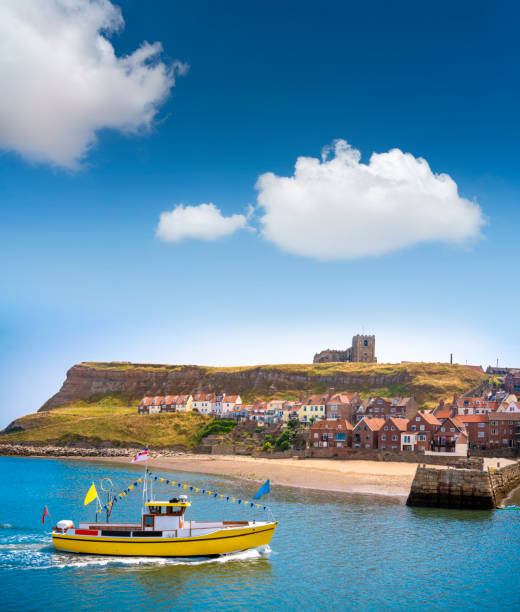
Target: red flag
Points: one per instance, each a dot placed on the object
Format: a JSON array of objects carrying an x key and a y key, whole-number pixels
[{"x": 45, "y": 512}]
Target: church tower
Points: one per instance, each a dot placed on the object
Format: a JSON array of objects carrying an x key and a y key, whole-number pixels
[{"x": 364, "y": 348}]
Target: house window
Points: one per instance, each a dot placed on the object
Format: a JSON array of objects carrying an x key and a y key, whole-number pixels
[
  {"x": 494, "y": 432},
  {"x": 452, "y": 428},
  {"x": 386, "y": 427},
  {"x": 417, "y": 418},
  {"x": 414, "y": 427},
  {"x": 481, "y": 424},
  {"x": 422, "y": 437},
  {"x": 394, "y": 438},
  {"x": 315, "y": 435},
  {"x": 383, "y": 437},
  {"x": 481, "y": 434},
  {"x": 422, "y": 427}
]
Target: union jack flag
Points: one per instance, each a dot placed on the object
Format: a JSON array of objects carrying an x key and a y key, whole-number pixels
[{"x": 141, "y": 456}]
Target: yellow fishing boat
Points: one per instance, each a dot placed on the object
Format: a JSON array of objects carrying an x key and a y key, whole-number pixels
[{"x": 163, "y": 531}]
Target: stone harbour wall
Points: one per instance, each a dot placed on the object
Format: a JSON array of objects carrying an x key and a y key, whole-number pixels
[
  {"x": 462, "y": 488},
  {"x": 504, "y": 480}
]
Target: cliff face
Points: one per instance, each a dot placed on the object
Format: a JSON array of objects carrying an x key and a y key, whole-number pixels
[{"x": 86, "y": 380}]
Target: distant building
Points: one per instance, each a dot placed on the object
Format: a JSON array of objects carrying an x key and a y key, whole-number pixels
[
  {"x": 363, "y": 349},
  {"x": 384, "y": 407},
  {"x": 512, "y": 382}
]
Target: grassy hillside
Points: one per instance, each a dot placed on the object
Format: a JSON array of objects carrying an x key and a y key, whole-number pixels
[
  {"x": 113, "y": 417},
  {"x": 107, "y": 420},
  {"x": 427, "y": 382}
]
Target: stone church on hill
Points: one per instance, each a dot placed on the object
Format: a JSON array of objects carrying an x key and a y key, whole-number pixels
[{"x": 363, "y": 349}]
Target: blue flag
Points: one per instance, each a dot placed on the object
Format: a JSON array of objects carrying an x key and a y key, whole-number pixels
[{"x": 265, "y": 488}]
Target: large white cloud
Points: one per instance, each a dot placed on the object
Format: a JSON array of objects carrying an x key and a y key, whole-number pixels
[
  {"x": 203, "y": 222},
  {"x": 62, "y": 81},
  {"x": 340, "y": 208}
]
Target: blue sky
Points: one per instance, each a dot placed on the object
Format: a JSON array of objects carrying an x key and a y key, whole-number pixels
[{"x": 85, "y": 277}]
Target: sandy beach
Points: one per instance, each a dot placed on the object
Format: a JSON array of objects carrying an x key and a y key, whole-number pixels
[{"x": 368, "y": 477}]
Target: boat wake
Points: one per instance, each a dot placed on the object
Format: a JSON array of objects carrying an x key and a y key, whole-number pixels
[{"x": 31, "y": 552}]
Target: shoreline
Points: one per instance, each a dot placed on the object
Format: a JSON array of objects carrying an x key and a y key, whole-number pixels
[{"x": 359, "y": 477}]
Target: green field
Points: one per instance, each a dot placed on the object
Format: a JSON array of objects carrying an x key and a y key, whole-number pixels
[{"x": 115, "y": 423}]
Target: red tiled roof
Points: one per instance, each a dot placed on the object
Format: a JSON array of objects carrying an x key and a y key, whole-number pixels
[
  {"x": 230, "y": 399},
  {"x": 429, "y": 417},
  {"x": 313, "y": 400},
  {"x": 331, "y": 424},
  {"x": 443, "y": 414},
  {"x": 473, "y": 418},
  {"x": 374, "y": 424},
  {"x": 341, "y": 398},
  {"x": 401, "y": 424}
]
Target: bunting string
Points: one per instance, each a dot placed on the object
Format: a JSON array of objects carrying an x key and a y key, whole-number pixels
[
  {"x": 183, "y": 487},
  {"x": 214, "y": 494}
]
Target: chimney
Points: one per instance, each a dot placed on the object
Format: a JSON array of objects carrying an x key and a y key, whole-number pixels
[{"x": 332, "y": 390}]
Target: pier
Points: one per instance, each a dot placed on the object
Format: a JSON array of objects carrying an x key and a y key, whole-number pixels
[{"x": 465, "y": 484}]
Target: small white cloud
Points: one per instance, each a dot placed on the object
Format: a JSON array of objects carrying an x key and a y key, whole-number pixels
[
  {"x": 62, "y": 81},
  {"x": 340, "y": 208},
  {"x": 202, "y": 222}
]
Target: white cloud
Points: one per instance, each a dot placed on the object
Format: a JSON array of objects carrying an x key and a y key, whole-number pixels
[
  {"x": 62, "y": 81},
  {"x": 340, "y": 208},
  {"x": 203, "y": 222}
]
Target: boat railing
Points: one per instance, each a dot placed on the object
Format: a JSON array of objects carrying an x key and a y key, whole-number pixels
[{"x": 111, "y": 526}]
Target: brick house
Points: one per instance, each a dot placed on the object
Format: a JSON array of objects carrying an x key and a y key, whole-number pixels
[
  {"x": 504, "y": 430},
  {"x": 335, "y": 433},
  {"x": 169, "y": 403},
  {"x": 144, "y": 405},
  {"x": 342, "y": 405},
  {"x": 450, "y": 437},
  {"x": 477, "y": 428},
  {"x": 365, "y": 432},
  {"x": 382, "y": 407},
  {"x": 512, "y": 382},
  {"x": 422, "y": 425},
  {"x": 389, "y": 435}
]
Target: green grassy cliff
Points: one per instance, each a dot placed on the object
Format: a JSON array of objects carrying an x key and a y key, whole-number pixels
[{"x": 98, "y": 401}]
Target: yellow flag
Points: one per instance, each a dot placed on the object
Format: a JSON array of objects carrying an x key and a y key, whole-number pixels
[{"x": 91, "y": 495}]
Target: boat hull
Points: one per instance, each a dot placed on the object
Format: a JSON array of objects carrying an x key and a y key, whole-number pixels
[{"x": 217, "y": 543}]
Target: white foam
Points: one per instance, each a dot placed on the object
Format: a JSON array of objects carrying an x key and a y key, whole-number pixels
[{"x": 78, "y": 561}]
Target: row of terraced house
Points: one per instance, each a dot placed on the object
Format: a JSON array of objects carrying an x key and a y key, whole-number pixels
[
  {"x": 465, "y": 424},
  {"x": 315, "y": 406}
]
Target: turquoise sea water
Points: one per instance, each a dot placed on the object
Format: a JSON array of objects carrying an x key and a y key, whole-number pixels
[{"x": 331, "y": 551}]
